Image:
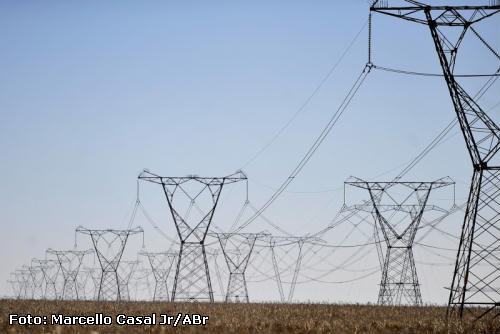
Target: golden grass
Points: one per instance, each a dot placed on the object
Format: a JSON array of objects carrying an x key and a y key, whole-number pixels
[{"x": 248, "y": 318}]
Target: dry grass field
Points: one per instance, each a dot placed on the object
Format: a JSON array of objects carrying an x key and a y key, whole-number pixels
[{"x": 246, "y": 318}]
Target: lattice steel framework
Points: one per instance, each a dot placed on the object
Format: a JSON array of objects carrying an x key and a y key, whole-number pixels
[
  {"x": 84, "y": 280},
  {"x": 70, "y": 262},
  {"x": 15, "y": 283},
  {"x": 161, "y": 264},
  {"x": 476, "y": 278},
  {"x": 50, "y": 270},
  {"x": 399, "y": 283},
  {"x": 192, "y": 277},
  {"x": 126, "y": 270},
  {"x": 23, "y": 278},
  {"x": 109, "y": 246},
  {"x": 237, "y": 249},
  {"x": 37, "y": 279}
]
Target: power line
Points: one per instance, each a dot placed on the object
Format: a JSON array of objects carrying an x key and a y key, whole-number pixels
[
  {"x": 314, "y": 147},
  {"x": 307, "y": 100}
]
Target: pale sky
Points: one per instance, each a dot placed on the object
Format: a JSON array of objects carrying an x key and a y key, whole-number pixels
[{"x": 93, "y": 92}]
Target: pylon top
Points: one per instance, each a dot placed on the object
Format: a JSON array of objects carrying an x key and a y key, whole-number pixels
[
  {"x": 146, "y": 175},
  {"x": 384, "y": 185},
  {"x": 84, "y": 230},
  {"x": 445, "y": 15}
]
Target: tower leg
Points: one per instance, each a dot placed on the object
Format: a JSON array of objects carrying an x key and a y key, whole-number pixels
[
  {"x": 192, "y": 277},
  {"x": 109, "y": 288},
  {"x": 476, "y": 276},
  {"x": 399, "y": 284},
  {"x": 237, "y": 288}
]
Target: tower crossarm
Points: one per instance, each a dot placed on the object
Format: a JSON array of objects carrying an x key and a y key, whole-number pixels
[{"x": 445, "y": 15}]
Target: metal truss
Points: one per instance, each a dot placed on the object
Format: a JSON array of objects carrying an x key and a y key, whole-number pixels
[
  {"x": 476, "y": 278},
  {"x": 22, "y": 277},
  {"x": 126, "y": 270},
  {"x": 109, "y": 246},
  {"x": 37, "y": 279},
  {"x": 192, "y": 277},
  {"x": 70, "y": 262},
  {"x": 86, "y": 283},
  {"x": 237, "y": 249},
  {"x": 398, "y": 208},
  {"x": 50, "y": 270},
  {"x": 15, "y": 285},
  {"x": 161, "y": 264},
  {"x": 141, "y": 286}
]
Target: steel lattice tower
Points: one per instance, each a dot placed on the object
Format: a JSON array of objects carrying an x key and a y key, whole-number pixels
[
  {"x": 50, "y": 269},
  {"x": 476, "y": 278},
  {"x": 277, "y": 242},
  {"x": 38, "y": 279},
  {"x": 126, "y": 270},
  {"x": 23, "y": 275},
  {"x": 161, "y": 265},
  {"x": 16, "y": 285},
  {"x": 109, "y": 246},
  {"x": 70, "y": 262},
  {"x": 399, "y": 283},
  {"x": 237, "y": 249},
  {"x": 192, "y": 277}
]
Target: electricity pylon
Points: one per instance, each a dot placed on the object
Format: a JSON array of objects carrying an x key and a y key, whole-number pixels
[
  {"x": 288, "y": 243},
  {"x": 237, "y": 249},
  {"x": 476, "y": 278},
  {"x": 109, "y": 246},
  {"x": 192, "y": 276},
  {"x": 16, "y": 285},
  {"x": 23, "y": 276},
  {"x": 126, "y": 270},
  {"x": 161, "y": 265},
  {"x": 37, "y": 279},
  {"x": 398, "y": 208},
  {"x": 84, "y": 276},
  {"x": 70, "y": 262},
  {"x": 50, "y": 270}
]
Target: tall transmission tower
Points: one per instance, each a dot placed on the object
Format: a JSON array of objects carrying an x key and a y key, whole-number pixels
[
  {"x": 15, "y": 285},
  {"x": 23, "y": 276},
  {"x": 192, "y": 277},
  {"x": 126, "y": 270},
  {"x": 398, "y": 208},
  {"x": 288, "y": 243},
  {"x": 37, "y": 279},
  {"x": 161, "y": 264},
  {"x": 109, "y": 246},
  {"x": 476, "y": 279},
  {"x": 70, "y": 262},
  {"x": 86, "y": 284},
  {"x": 237, "y": 249},
  {"x": 50, "y": 270}
]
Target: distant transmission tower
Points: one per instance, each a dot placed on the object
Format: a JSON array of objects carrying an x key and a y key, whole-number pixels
[
  {"x": 109, "y": 246},
  {"x": 289, "y": 243},
  {"x": 50, "y": 269},
  {"x": 161, "y": 265},
  {"x": 476, "y": 279},
  {"x": 70, "y": 262},
  {"x": 84, "y": 280},
  {"x": 126, "y": 270},
  {"x": 398, "y": 208},
  {"x": 192, "y": 277},
  {"x": 16, "y": 284},
  {"x": 37, "y": 279},
  {"x": 237, "y": 249},
  {"x": 23, "y": 276}
]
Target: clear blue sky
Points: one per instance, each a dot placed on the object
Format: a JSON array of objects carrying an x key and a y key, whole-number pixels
[{"x": 93, "y": 92}]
